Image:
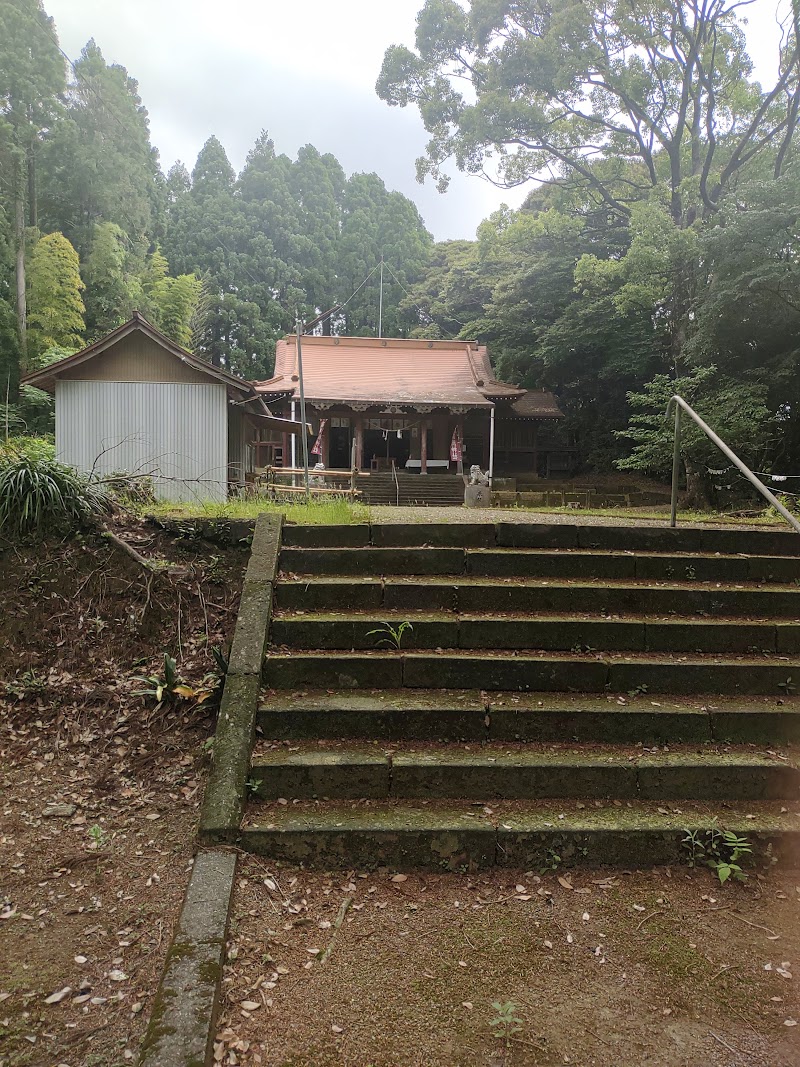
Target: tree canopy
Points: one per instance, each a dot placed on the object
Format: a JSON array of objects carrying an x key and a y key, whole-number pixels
[{"x": 661, "y": 237}]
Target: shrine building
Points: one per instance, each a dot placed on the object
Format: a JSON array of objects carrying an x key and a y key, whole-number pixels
[{"x": 413, "y": 405}]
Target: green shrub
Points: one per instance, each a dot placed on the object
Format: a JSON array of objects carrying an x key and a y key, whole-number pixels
[
  {"x": 33, "y": 413},
  {"x": 34, "y": 447},
  {"x": 40, "y": 495}
]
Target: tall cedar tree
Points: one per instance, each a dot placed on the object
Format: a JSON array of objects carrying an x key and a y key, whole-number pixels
[{"x": 32, "y": 79}]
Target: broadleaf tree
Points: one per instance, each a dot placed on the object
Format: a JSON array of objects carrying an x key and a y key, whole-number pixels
[{"x": 650, "y": 111}]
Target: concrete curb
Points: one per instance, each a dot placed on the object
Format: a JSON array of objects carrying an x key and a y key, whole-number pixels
[
  {"x": 183, "y": 1022},
  {"x": 182, "y": 1026},
  {"x": 224, "y": 797}
]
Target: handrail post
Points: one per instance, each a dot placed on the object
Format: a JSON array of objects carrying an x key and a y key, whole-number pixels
[
  {"x": 679, "y": 402},
  {"x": 676, "y": 467}
]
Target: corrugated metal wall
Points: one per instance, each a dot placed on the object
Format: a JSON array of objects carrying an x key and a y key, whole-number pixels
[{"x": 176, "y": 432}]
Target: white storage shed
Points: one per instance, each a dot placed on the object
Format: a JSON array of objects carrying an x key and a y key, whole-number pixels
[{"x": 136, "y": 402}]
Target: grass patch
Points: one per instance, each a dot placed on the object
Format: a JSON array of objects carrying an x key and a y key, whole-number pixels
[
  {"x": 330, "y": 511},
  {"x": 662, "y": 514}
]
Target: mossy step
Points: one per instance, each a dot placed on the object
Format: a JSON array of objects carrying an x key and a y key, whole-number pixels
[
  {"x": 537, "y": 562},
  {"x": 521, "y": 595},
  {"x": 463, "y": 715},
  {"x": 402, "y": 713},
  {"x": 527, "y": 836},
  {"x": 548, "y": 632},
  {"x": 531, "y": 534},
  {"x": 489, "y": 670},
  {"x": 524, "y": 772}
]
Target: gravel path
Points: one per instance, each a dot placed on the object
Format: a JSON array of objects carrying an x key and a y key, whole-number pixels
[{"x": 552, "y": 518}]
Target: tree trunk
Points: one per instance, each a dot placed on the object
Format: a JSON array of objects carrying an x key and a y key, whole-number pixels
[
  {"x": 19, "y": 237},
  {"x": 33, "y": 203},
  {"x": 698, "y": 487}
]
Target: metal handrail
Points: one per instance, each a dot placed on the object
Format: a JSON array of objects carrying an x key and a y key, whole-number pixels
[{"x": 681, "y": 405}]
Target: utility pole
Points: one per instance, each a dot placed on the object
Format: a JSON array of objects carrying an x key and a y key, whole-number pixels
[
  {"x": 380, "y": 305},
  {"x": 303, "y": 424}
]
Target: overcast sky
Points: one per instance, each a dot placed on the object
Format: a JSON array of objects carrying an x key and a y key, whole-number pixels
[{"x": 305, "y": 71}]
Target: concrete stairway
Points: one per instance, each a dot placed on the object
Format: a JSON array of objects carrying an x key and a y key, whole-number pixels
[{"x": 582, "y": 692}]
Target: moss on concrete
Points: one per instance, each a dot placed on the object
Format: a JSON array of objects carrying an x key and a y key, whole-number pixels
[
  {"x": 233, "y": 740},
  {"x": 181, "y": 1030}
]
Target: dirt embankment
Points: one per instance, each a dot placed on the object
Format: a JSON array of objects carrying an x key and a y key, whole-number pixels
[{"x": 100, "y": 788}]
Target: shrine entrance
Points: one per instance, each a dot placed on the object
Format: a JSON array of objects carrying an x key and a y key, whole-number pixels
[{"x": 387, "y": 439}]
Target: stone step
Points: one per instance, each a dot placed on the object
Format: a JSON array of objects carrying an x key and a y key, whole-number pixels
[
  {"x": 777, "y": 676},
  {"x": 521, "y": 772},
  {"x": 546, "y": 632},
  {"x": 529, "y": 836},
  {"x": 410, "y": 489},
  {"x": 527, "y": 534},
  {"x": 465, "y": 715},
  {"x": 472, "y": 595},
  {"x": 541, "y": 563}
]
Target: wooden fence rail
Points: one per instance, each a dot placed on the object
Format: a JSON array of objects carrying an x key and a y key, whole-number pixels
[{"x": 268, "y": 478}]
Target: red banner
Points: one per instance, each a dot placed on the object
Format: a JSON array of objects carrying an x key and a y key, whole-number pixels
[{"x": 317, "y": 449}]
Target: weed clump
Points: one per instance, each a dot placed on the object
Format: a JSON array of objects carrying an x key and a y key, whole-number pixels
[{"x": 39, "y": 495}]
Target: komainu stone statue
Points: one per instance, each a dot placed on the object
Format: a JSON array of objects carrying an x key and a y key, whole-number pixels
[
  {"x": 477, "y": 493},
  {"x": 317, "y": 482}
]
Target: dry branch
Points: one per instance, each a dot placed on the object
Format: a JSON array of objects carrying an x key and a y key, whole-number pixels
[
  {"x": 146, "y": 564},
  {"x": 345, "y": 907}
]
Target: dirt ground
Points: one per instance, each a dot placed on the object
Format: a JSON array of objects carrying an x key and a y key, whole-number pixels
[
  {"x": 99, "y": 789},
  {"x": 595, "y": 969}
]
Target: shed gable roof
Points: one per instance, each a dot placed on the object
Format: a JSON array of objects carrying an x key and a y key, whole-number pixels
[{"x": 45, "y": 377}]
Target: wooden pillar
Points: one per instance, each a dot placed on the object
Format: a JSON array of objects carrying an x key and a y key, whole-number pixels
[
  {"x": 359, "y": 442},
  {"x": 536, "y": 449},
  {"x": 423, "y": 446}
]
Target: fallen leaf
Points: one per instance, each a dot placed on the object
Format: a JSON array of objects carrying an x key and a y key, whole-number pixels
[
  {"x": 399, "y": 877},
  {"x": 565, "y": 882},
  {"x": 56, "y": 998}
]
